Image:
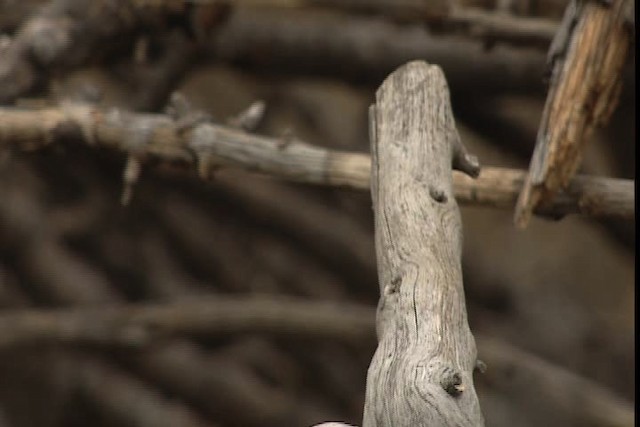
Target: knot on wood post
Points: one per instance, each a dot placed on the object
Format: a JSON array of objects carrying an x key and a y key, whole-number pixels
[
  {"x": 438, "y": 194},
  {"x": 393, "y": 286},
  {"x": 451, "y": 382}
]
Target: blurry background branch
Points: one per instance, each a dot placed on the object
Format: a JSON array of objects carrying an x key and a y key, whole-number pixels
[
  {"x": 367, "y": 49},
  {"x": 143, "y": 325},
  {"x": 64, "y": 34},
  {"x": 140, "y": 325},
  {"x": 270, "y": 38},
  {"x": 491, "y": 26},
  {"x": 507, "y": 364}
]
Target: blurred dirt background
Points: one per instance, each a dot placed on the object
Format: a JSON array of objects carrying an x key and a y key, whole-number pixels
[{"x": 559, "y": 295}]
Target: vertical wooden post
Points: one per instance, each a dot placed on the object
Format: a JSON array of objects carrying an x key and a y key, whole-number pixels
[{"x": 421, "y": 373}]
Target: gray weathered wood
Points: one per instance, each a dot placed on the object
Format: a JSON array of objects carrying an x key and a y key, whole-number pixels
[{"x": 421, "y": 372}]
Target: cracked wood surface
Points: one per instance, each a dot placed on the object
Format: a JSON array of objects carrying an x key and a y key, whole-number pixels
[{"x": 421, "y": 372}]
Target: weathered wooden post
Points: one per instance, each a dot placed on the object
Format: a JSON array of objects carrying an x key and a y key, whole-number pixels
[{"x": 421, "y": 373}]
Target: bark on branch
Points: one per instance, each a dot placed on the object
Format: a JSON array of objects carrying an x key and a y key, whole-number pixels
[
  {"x": 208, "y": 146},
  {"x": 422, "y": 371}
]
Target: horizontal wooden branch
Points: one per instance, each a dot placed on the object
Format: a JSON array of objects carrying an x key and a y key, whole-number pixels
[
  {"x": 365, "y": 49},
  {"x": 475, "y": 21},
  {"x": 504, "y": 27},
  {"x": 209, "y": 146},
  {"x": 139, "y": 325}
]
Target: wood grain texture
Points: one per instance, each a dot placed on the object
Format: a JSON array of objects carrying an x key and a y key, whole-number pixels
[
  {"x": 586, "y": 59},
  {"x": 421, "y": 372}
]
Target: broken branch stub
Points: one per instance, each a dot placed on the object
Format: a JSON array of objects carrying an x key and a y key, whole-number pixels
[{"x": 421, "y": 372}]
